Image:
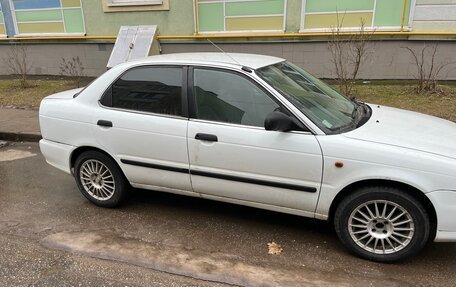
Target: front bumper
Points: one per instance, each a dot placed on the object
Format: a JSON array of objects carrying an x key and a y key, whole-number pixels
[
  {"x": 57, "y": 154},
  {"x": 444, "y": 202}
]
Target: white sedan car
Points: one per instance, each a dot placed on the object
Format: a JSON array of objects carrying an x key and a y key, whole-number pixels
[{"x": 259, "y": 131}]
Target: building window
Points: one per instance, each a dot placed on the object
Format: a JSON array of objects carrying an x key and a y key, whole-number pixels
[
  {"x": 134, "y": 5},
  {"x": 318, "y": 15},
  {"x": 48, "y": 17},
  {"x": 2, "y": 23},
  {"x": 218, "y": 16}
]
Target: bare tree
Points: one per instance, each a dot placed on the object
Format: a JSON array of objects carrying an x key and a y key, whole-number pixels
[
  {"x": 428, "y": 69},
  {"x": 348, "y": 52},
  {"x": 18, "y": 63},
  {"x": 72, "y": 68}
]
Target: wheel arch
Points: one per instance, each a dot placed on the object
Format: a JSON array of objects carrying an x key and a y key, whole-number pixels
[
  {"x": 418, "y": 194},
  {"x": 80, "y": 150}
]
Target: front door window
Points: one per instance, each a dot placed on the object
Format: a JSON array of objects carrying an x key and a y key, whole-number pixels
[{"x": 231, "y": 98}]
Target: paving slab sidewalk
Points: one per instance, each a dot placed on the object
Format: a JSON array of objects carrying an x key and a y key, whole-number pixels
[{"x": 19, "y": 125}]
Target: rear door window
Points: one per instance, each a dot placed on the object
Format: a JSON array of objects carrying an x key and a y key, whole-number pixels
[{"x": 149, "y": 89}]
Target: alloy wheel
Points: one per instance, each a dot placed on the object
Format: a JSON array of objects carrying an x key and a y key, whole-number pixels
[
  {"x": 381, "y": 226},
  {"x": 97, "y": 179}
]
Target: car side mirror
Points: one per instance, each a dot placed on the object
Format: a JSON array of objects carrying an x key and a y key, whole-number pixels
[{"x": 278, "y": 121}]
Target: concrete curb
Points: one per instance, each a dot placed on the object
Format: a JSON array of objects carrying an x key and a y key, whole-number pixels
[{"x": 20, "y": 137}]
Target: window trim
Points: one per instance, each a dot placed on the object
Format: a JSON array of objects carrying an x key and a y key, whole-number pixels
[
  {"x": 273, "y": 31},
  {"x": 184, "y": 98},
  {"x": 192, "y": 101},
  {"x": 371, "y": 28},
  {"x": 61, "y": 8}
]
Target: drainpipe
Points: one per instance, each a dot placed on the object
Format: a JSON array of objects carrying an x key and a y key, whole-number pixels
[{"x": 403, "y": 15}]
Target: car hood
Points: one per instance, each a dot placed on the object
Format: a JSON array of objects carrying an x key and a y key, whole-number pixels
[
  {"x": 65, "y": 94},
  {"x": 408, "y": 129}
]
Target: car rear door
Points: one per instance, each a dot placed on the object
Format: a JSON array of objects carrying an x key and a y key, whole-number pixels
[
  {"x": 233, "y": 158},
  {"x": 143, "y": 123}
]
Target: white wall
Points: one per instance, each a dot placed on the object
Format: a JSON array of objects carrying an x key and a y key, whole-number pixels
[{"x": 435, "y": 15}]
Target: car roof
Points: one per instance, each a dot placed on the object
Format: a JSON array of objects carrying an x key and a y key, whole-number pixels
[{"x": 252, "y": 61}]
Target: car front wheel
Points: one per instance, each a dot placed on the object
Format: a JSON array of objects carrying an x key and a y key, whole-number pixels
[
  {"x": 99, "y": 179},
  {"x": 382, "y": 224}
]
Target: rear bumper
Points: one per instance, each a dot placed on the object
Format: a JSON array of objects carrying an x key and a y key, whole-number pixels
[
  {"x": 57, "y": 154},
  {"x": 444, "y": 202}
]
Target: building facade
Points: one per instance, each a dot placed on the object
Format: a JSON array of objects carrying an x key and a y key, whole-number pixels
[{"x": 294, "y": 29}]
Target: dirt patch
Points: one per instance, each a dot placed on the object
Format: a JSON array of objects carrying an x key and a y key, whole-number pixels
[{"x": 217, "y": 267}]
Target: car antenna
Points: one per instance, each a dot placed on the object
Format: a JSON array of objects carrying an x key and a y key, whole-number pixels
[{"x": 228, "y": 55}]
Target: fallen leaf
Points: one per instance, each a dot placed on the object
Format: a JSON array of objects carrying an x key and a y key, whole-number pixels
[{"x": 274, "y": 248}]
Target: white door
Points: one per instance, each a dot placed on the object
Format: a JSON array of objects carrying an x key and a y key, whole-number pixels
[
  {"x": 143, "y": 125},
  {"x": 232, "y": 156}
]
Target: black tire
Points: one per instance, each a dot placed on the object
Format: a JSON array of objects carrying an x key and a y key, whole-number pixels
[
  {"x": 104, "y": 197},
  {"x": 414, "y": 227}
]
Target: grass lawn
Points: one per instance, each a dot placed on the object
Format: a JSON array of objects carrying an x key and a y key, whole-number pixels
[
  {"x": 390, "y": 93},
  {"x": 400, "y": 94},
  {"x": 11, "y": 94}
]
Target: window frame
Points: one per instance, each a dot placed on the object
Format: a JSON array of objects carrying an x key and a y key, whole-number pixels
[
  {"x": 192, "y": 100},
  {"x": 197, "y": 30},
  {"x": 107, "y": 94},
  {"x": 61, "y": 8},
  {"x": 407, "y": 25}
]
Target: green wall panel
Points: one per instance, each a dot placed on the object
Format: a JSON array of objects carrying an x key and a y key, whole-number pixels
[
  {"x": 210, "y": 16},
  {"x": 2, "y": 29},
  {"x": 254, "y": 8},
  {"x": 332, "y": 20},
  {"x": 1, "y": 17},
  {"x": 254, "y": 23},
  {"x": 73, "y": 20},
  {"x": 40, "y": 28},
  {"x": 339, "y": 5},
  {"x": 71, "y": 3},
  {"x": 293, "y": 19},
  {"x": 39, "y": 15},
  {"x": 389, "y": 13}
]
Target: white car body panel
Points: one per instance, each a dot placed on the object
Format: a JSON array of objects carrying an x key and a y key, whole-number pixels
[
  {"x": 258, "y": 155},
  {"x": 394, "y": 145},
  {"x": 446, "y": 202},
  {"x": 156, "y": 139},
  {"x": 409, "y": 130},
  {"x": 56, "y": 154}
]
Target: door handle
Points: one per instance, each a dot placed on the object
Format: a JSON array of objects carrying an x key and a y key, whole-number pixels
[
  {"x": 206, "y": 137},
  {"x": 103, "y": 123}
]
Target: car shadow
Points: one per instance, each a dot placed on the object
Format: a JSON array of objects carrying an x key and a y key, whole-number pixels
[{"x": 200, "y": 208}]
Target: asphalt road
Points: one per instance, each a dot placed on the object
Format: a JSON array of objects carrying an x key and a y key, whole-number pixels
[{"x": 50, "y": 235}]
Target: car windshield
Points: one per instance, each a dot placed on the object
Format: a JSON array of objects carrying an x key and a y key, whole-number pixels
[{"x": 324, "y": 106}]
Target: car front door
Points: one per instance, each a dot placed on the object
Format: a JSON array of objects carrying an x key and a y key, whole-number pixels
[
  {"x": 143, "y": 123},
  {"x": 233, "y": 158}
]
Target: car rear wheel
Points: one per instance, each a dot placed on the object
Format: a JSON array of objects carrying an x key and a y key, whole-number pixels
[
  {"x": 99, "y": 179},
  {"x": 382, "y": 224}
]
